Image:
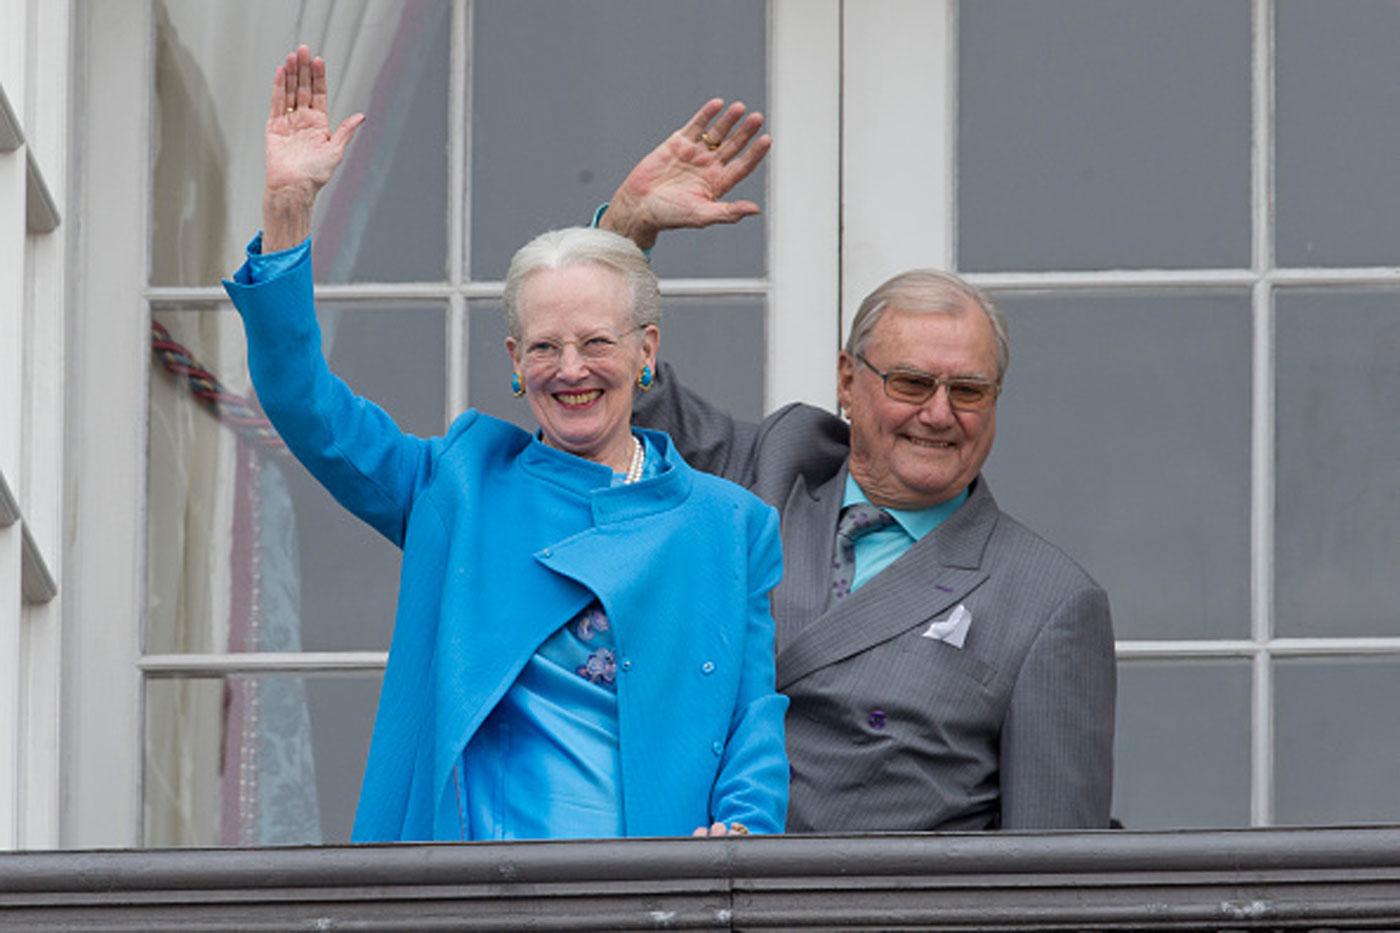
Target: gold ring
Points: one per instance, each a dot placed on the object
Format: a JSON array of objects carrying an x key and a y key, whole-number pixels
[
  {"x": 710, "y": 143},
  {"x": 291, "y": 110}
]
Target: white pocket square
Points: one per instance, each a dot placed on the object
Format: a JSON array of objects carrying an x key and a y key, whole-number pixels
[{"x": 953, "y": 629}]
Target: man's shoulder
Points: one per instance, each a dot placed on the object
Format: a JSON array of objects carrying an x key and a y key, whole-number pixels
[
  {"x": 799, "y": 440},
  {"x": 797, "y": 418}
]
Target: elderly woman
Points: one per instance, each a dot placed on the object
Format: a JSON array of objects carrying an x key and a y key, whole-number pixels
[{"x": 583, "y": 645}]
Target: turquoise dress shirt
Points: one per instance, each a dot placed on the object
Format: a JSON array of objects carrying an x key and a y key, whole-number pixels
[{"x": 878, "y": 549}]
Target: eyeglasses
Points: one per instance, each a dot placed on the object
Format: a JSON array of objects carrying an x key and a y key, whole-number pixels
[
  {"x": 598, "y": 347},
  {"x": 915, "y": 388}
]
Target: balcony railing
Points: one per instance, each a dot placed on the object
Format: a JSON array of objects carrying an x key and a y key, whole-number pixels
[{"x": 1280, "y": 879}]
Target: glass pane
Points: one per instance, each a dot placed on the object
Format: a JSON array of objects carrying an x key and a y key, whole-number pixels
[
  {"x": 1175, "y": 767},
  {"x": 384, "y": 217},
  {"x": 1337, "y": 745},
  {"x": 1338, "y": 127},
  {"x": 1124, "y": 438},
  {"x": 246, "y": 551},
  {"x": 1101, "y": 134},
  {"x": 242, "y": 760},
  {"x": 566, "y": 97},
  {"x": 1337, "y": 513},
  {"x": 717, "y": 345}
]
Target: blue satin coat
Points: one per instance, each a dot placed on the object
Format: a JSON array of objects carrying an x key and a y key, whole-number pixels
[{"x": 505, "y": 540}]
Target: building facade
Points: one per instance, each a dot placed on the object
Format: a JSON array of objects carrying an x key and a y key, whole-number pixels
[{"x": 1185, "y": 209}]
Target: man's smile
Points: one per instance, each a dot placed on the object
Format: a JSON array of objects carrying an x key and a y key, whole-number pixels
[{"x": 926, "y": 442}]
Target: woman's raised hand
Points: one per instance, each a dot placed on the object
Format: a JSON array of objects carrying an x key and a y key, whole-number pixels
[{"x": 300, "y": 152}]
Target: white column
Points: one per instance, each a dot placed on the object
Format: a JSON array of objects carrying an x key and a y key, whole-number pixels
[
  {"x": 12, "y": 342},
  {"x": 108, "y": 359},
  {"x": 898, "y": 138},
  {"x": 42, "y": 660},
  {"x": 804, "y": 222}
]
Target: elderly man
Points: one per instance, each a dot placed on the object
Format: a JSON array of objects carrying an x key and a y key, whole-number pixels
[{"x": 947, "y": 668}]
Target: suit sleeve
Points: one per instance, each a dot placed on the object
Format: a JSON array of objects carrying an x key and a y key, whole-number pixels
[
  {"x": 348, "y": 443},
  {"x": 1057, "y": 739},
  {"x": 752, "y": 785}
]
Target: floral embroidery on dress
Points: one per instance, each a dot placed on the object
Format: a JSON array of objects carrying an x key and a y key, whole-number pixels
[
  {"x": 601, "y": 667},
  {"x": 591, "y": 621}
]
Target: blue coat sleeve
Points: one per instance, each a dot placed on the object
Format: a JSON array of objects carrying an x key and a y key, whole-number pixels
[
  {"x": 752, "y": 785},
  {"x": 348, "y": 443}
]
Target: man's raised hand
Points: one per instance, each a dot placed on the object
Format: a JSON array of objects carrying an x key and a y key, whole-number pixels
[{"x": 682, "y": 182}]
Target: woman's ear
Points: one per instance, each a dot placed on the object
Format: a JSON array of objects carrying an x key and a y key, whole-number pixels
[{"x": 651, "y": 343}]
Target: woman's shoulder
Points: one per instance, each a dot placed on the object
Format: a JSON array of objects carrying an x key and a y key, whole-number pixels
[{"x": 474, "y": 432}]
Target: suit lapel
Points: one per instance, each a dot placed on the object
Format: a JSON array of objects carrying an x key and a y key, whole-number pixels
[
  {"x": 809, "y": 518},
  {"x": 930, "y": 578}
]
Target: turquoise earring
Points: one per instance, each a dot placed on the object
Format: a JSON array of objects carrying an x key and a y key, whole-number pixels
[
  {"x": 645, "y": 379},
  {"x": 517, "y": 388}
]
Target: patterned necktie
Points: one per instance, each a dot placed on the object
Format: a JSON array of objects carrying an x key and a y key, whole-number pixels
[{"x": 856, "y": 520}]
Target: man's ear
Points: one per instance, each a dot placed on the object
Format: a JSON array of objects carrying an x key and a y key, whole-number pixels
[{"x": 845, "y": 379}]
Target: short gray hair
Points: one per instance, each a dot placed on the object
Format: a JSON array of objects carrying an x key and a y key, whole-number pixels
[
  {"x": 927, "y": 290},
  {"x": 579, "y": 246}
]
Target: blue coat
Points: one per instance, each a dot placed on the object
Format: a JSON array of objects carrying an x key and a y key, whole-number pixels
[{"x": 505, "y": 540}]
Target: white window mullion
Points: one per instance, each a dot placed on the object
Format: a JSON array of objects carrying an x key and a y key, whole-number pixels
[
  {"x": 458, "y": 216},
  {"x": 1262, "y": 432}
]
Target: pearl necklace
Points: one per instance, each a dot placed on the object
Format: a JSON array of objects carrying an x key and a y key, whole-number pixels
[{"x": 639, "y": 459}]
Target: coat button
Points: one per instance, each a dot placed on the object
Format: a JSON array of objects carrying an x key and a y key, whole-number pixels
[
  {"x": 877, "y": 719},
  {"x": 708, "y": 667},
  {"x": 546, "y": 553},
  {"x": 626, "y": 664},
  {"x": 717, "y": 748}
]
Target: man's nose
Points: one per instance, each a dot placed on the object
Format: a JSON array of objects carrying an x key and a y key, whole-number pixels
[{"x": 938, "y": 409}]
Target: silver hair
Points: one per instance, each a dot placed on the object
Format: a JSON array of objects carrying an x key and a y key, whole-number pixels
[
  {"x": 932, "y": 291},
  {"x": 578, "y": 246}
]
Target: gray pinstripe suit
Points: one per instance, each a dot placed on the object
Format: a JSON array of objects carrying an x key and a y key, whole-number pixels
[{"x": 887, "y": 729}]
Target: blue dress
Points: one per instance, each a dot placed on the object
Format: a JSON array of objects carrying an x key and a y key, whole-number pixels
[{"x": 544, "y": 764}]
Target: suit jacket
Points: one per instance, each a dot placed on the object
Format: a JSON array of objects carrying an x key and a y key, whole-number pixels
[
  {"x": 504, "y": 540},
  {"x": 891, "y": 730}
]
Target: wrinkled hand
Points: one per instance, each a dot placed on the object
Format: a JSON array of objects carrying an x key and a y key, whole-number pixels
[
  {"x": 300, "y": 153},
  {"x": 681, "y": 182}
]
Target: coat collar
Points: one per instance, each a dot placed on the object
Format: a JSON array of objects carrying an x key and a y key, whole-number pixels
[
  {"x": 934, "y": 575},
  {"x": 584, "y": 478}
]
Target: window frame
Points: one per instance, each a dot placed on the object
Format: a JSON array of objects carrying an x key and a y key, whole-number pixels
[
  {"x": 109, "y": 366},
  {"x": 896, "y": 184}
]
